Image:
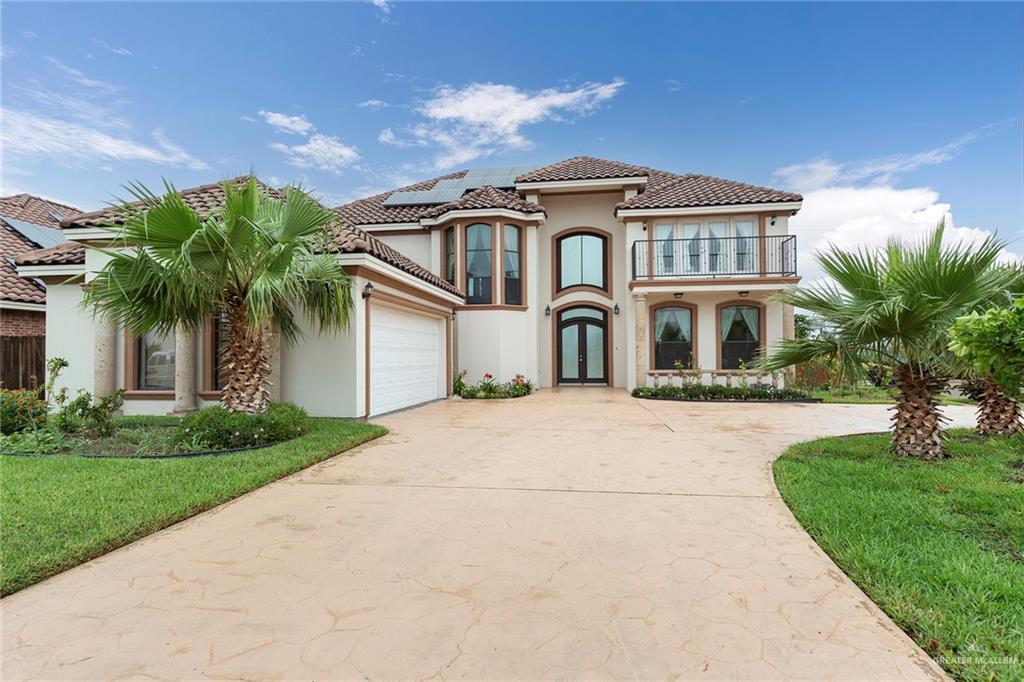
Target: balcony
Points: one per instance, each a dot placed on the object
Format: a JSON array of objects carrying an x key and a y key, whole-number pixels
[{"x": 712, "y": 257}]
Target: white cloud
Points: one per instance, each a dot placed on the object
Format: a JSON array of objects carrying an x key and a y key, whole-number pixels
[
  {"x": 388, "y": 137},
  {"x": 823, "y": 172},
  {"x": 383, "y": 6},
  {"x": 27, "y": 134},
  {"x": 285, "y": 123},
  {"x": 121, "y": 51},
  {"x": 323, "y": 152},
  {"x": 867, "y": 217},
  {"x": 373, "y": 104},
  {"x": 481, "y": 118},
  {"x": 29, "y": 35},
  {"x": 83, "y": 80}
]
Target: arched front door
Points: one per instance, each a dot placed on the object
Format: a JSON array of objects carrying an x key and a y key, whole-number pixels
[{"x": 583, "y": 346}]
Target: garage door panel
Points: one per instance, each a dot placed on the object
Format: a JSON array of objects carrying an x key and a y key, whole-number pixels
[{"x": 405, "y": 359}]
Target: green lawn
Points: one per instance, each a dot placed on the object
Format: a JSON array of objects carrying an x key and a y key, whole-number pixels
[
  {"x": 56, "y": 512},
  {"x": 938, "y": 546},
  {"x": 874, "y": 395}
]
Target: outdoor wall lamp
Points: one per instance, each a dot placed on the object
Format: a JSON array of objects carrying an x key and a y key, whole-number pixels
[
  {"x": 773, "y": 220},
  {"x": 547, "y": 312},
  {"x": 616, "y": 309},
  {"x": 368, "y": 290},
  {"x": 453, "y": 316},
  {"x": 677, "y": 295},
  {"x": 744, "y": 294}
]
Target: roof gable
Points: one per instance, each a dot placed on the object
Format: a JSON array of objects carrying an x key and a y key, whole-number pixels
[
  {"x": 484, "y": 198},
  {"x": 36, "y": 210},
  {"x": 584, "y": 168},
  {"x": 694, "y": 190}
]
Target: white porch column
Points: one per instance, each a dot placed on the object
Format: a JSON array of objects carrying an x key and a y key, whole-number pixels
[
  {"x": 274, "y": 359},
  {"x": 184, "y": 371},
  {"x": 640, "y": 337},
  {"x": 104, "y": 357}
]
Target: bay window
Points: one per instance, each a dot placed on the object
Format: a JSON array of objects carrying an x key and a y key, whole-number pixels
[
  {"x": 513, "y": 283},
  {"x": 449, "y": 255},
  {"x": 479, "y": 263}
]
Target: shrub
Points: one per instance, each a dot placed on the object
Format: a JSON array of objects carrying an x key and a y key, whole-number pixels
[
  {"x": 44, "y": 441},
  {"x": 81, "y": 413},
  {"x": 20, "y": 410},
  {"x": 718, "y": 392},
  {"x": 216, "y": 428},
  {"x": 518, "y": 387},
  {"x": 459, "y": 382}
]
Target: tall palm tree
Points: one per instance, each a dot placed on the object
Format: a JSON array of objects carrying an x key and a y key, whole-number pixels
[
  {"x": 895, "y": 305},
  {"x": 258, "y": 261}
]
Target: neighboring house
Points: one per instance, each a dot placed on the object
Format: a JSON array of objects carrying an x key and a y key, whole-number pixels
[
  {"x": 581, "y": 272},
  {"x": 26, "y": 223}
]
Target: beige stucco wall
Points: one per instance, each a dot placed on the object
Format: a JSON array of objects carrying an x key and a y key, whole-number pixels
[
  {"x": 69, "y": 335},
  {"x": 416, "y": 247}
]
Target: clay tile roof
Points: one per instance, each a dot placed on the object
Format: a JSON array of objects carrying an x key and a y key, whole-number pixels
[
  {"x": 348, "y": 238},
  {"x": 370, "y": 211},
  {"x": 35, "y": 210},
  {"x": 13, "y": 287},
  {"x": 68, "y": 253},
  {"x": 584, "y": 168},
  {"x": 204, "y": 199},
  {"x": 693, "y": 190},
  {"x": 486, "y": 197}
]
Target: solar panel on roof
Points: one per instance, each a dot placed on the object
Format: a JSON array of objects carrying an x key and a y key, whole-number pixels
[
  {"x": 422, "y": 197},
  {"x": 453, "y": 188},
  {"x": 45, "y": 237}
]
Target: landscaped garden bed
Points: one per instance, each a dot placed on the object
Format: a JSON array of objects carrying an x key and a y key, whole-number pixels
[
  {"x": 938, "y": 545},
  {"x": 488, "y": 388},
  {"x": 719, "y": 393},
  {"x": 57, "y": 512}
]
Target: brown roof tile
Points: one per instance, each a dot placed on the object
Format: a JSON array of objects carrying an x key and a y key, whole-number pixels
[
  {"x": 348, "y": 238},
  {"x": 36, "y": 210},
  {"x": 371, "y": 211},
  {"x": 584, "y": 168},
  {"x": 13, "y": 287},
  {"x": 68, "y": 253},
  {"x": 484, "y": 198},
  {"x": 693, "y": 190},
  {"x": 204, "y": 199}
]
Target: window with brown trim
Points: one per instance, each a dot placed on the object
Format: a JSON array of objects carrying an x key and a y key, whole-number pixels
[
  {"x": 218, "y": 349},
  {"x": 673, "y": 337},
  {"x": 479, "y": 264},
  {"x": 740, "y": 334},
  {"x": 449, "y": 254},
  {"x": 154, "y": 362},
  {"x": 581, "y": 261},
  {"x": 513, "y": 274}
]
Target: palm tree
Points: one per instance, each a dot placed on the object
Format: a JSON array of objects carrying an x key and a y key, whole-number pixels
[
  {"x": 256, "y": 261},
  {"x": 895, "y": 305}
]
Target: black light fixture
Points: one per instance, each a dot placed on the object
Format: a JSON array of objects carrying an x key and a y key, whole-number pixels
[
  {"x": 368, "y": 290},
  {"x": 616, "y": 309},
  {"x": 547, "y": 312},
  {"x": 773, "y": 220},
  {"x": 453, "y": 315},
  {"x": 744, "y": 294}
]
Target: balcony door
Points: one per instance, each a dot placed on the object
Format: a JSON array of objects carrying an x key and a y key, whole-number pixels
[
  {"x": 582, "y": 346},
  {"x": 706, "y": 248}
]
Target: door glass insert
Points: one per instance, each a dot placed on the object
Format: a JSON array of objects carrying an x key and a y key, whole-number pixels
[
  {"x": 595, "y": 352},
  {"x": 570, "y": 352}
]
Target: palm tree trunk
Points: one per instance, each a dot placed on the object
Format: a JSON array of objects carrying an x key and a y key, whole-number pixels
[
  {"x": 917, "y": 421},
  {"x": 246, "y": 367},
  {"x": 998, "y": 413}
]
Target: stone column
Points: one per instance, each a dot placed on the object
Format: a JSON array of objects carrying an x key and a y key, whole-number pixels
[
  {"x": 104, "y": 362},
  {"x": 640, "y": 337},
  {"x": 274, "y": 359},
  {"x": 184, "y": 371},
  {"x": 788, "y": 322}
]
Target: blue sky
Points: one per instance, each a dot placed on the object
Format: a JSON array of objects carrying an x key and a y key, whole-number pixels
[{"x": 885, "y": 116}]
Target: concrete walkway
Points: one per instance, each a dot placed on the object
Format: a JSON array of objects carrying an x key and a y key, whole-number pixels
[{"x": 572, "y": 534}]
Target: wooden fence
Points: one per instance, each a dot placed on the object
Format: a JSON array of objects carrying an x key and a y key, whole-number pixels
[{"x": 22, "y": 361}]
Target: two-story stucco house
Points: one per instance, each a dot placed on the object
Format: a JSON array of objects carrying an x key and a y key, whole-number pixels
[{"x": 582, "y": 272}]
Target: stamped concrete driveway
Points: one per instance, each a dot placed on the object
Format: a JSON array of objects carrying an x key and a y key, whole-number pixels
[{"x": 572, "y": 534}]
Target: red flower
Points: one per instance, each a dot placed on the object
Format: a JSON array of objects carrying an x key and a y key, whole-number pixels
[{"x": 488, "y": 376}]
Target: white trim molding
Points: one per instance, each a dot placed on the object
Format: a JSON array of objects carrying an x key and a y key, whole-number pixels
[
  {"x": 22, "y": 305},
  {"x": 708, "y": 210},
  {"x": 596, "y": 183},
  {"x": 374, "y": 263},
  {"x": 387, "y": 227},
  {"x": 83, "y": 234},
  {"x": 537, "y": 217},
  {"x": 69, "y": 270}
]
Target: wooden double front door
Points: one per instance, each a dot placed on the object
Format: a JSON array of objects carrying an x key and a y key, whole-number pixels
[{"x": 582, "y": 346}]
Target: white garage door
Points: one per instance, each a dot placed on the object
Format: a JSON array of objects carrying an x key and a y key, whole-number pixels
[{"x": 407, "y": 356}]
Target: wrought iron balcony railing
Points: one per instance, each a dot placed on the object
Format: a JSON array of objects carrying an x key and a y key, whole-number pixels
[{"x": 772, "y": 256}]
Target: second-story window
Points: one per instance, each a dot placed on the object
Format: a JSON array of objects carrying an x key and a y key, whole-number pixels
[
  {"x": 449, "y": 255},
  {"x": 479, "y": 263},
  {"x": 512, "y": 265},
  {"x": 582, "y": 261}
]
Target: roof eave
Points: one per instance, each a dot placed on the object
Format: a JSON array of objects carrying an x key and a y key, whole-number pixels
[
  {"x": 536, "y": 216},
  {"x": 793, "y": 206},
  {"x": 588, "y": 184}
]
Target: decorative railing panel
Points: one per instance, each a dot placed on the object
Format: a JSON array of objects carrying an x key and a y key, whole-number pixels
[{"x": 704, "y": 257}]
